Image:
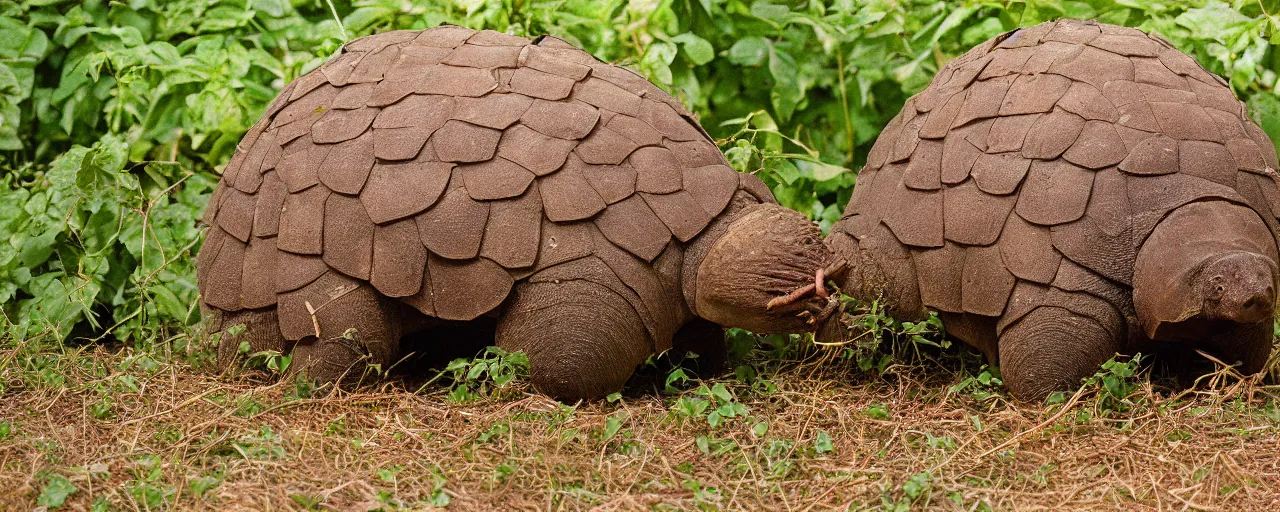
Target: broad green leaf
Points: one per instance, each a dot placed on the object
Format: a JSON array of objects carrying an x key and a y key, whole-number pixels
[
  {"x": 740, "y": 155},
  {"x": 1265, "y": 110},
  {"x": 274, "y": 8},
  {"x": 787, "y": 92},
  {"x": 952, "y": 21},
  {"x": 1215, "y": 21},
  {"x": 783, "y": 169},
  {"x": 657, "y": 61},
  {"x": 773, "y": 12},
  {"x": 696, "y": 48},
  {"x": 822, "y": 443},
  {"x": 56, "y": 491},
  {"x": 613, "y": 424},
  {"x": 750, "y": 51},
  {"x": 821, "y": 171}
]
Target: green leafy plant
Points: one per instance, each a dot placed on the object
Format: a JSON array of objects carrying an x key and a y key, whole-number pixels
[
  {"x": 704, "y": 497},
  {"x": 148, "y": 489},
  {"x": 613, "y": 423},
  {"x": 263, "y": 445},
  {"x": 874, "y": 340},
  {"x": 716, "y": 404},
  {"x": 438, "y": 497},
  {"x": 57, "y": 489},
  {"x": 822, "y": 443},
  {"x": 981, "y": 387},
  {"x": 207, "y": 482},
  {"x": 877, "y": 411},
  {"x": 493, "y": 372},
  {"x": 269, "y": 360},
  {"x": 915, "y": 489},
  {"x": 1115, "y": 382},
  {"x": 113, "y": 118}
]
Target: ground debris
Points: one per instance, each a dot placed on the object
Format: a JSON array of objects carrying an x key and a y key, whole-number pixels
[{"x": 150, "y": 435}]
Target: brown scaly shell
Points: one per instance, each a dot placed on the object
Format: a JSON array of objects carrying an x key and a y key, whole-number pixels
[
  {"x": 444, "y": 165},
  {"x": 1043, "y": 159}
]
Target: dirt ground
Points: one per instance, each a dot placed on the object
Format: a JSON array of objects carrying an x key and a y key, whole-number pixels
[{"x": 112, "y": 428}]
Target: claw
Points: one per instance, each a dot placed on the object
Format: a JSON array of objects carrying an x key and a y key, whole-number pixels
[
  {"x": 818, "y": 287},
  {"x": 819, "y": 284},
  {"x": 789, "y": 298}
]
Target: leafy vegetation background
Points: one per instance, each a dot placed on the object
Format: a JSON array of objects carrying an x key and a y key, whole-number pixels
[{"x": 116, "y": 116}]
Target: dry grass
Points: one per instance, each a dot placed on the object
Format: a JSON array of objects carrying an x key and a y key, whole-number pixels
[{"x": 164, "y": 431}]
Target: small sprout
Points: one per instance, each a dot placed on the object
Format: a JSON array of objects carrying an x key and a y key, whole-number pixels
[
  {"x": 306, "y": 501},
  {"x": 822, "y": 443},
  {"x": 439, "y": 497},
  {"x": 677, "y": 376},
  {"x": 1055, "y": 398},
  {"x": 613, "y": 424},
  {"x": 203, "y": 484},
  {"x": 389, "y": 474},
  {"x": 57, "y": 489},
  {"x": 726, "y": 403},
  {"x": 977, "y": 422},
  {"x": 271, "y": 361},
  {"x": 102, "y": 409},
  {"x": 917, "y": 485}
]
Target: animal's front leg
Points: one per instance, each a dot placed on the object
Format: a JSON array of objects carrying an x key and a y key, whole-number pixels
[
  {"x": 344, "y": 328},
  {"x": 1052, "y": 348},
  {"x": 582, "y": 338},
  {"x": 258, "y": 328}
]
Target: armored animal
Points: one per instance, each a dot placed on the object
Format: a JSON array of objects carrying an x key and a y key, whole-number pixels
[
  {"x": 423, "y": 179},
  {"x": 1068, "y": 191}
]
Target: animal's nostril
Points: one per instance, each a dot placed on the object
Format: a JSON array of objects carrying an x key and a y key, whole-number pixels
[{"x": 1259, "y": 303}]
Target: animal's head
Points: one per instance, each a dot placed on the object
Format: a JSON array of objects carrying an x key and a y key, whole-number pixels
[
  {"x": 767, "y": 273},
  {"x": 1237, "y": 286},
  {"x": 1208, "y": 270}
]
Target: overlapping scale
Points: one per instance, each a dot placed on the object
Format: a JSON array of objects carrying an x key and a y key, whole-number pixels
[
  {"x": 442, "y": 166},
  {"x": 1033, "y": 168}
]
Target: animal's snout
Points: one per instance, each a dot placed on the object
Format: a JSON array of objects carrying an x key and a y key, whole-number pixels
[
  {"x": 1256, "y": 308},
  {"x": 1243, "y": 285}
]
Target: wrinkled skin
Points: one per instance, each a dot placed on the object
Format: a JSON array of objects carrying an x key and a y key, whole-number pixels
[
  {"x": 769, "y": 249},
  {"x": 585, "y": 343},
  {"x": 1238, "y": 287}
]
